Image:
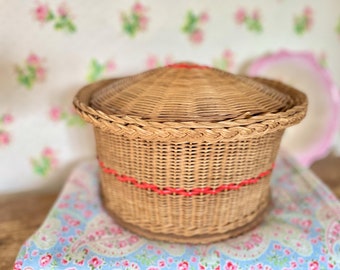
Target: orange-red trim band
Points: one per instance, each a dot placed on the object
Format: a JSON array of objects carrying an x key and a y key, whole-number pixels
[
  {"x": 182, "y": 191},
  {"x": 189, "y": 66}
]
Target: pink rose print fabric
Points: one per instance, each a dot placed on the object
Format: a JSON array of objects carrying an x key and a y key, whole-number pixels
[
  {"x": 61, "y": 18},
  {"x": 193, "y": 26},
  {"x": 95, "y": 263},
  {"x": 42, "y": 13},
  {"x": 50, "y": 49},
  {"x": 136, "y": 20},
  {"x": 5, "y": 136},
  {"x": 226, "y": 61},
  {"x": 70, "y": 117},
  {"x": 251, "y": 20},
  {"x": 45, "y": 162},
  {"x": 304, "y": 22},
  {"x": 97, "y": 70},
  {"x": 45, "y": 260},
  {"x": 301, "y": 231},
  {"x": 153, "y": 61},
  {"x": 32, "y": 71}
]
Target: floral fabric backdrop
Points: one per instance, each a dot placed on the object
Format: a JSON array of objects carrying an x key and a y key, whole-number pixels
[{"x": 49, "y": 49}]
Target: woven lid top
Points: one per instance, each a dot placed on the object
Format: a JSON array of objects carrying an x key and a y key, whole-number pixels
[{"x": 188, "y": 92}]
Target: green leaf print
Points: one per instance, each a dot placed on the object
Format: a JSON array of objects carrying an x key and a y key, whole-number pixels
[
  {"x": 300, "y": 25},
  {"x": 129, "y": 29},
  {"x": 95, "y": 71},
  {"x": 253, "y": 25},
  {"x": 50, "y": 16},
  {"x": 64, "y": 23},
  {"x": 256, "y": 26},
  {"x": 41, "y": 166},
  {"x": 31, "y": 72},
  {"x": 63, "y": 116},
  {"x": 131, "y": 24},
  {"x": 135, "y": 21},
  {"x": 190, "y": 23},
  {"x": 146, "y": 259},
  {"x": 26, "y": 76},
  {"x": 71, "y": 27},
  {"x": 337, "y": 28},
  {"x": 278, "y": 260},
  {"x": 58, "y": 25},
  {"x": 221, "y": 64},
  {"x": 70, "y": 117},
  {"x": 75, "y": 120},
  {"x": 25, "y": 81}
]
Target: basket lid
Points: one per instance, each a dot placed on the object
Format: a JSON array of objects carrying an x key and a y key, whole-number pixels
[{"x": 185, "y": 92}]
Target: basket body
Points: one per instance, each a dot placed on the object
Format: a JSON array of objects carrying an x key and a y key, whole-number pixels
[
  {"x": 186, "y": 151},
  {"x": 198, "y": 218}
]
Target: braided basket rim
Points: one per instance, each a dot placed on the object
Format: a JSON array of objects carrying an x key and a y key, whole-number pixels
[{"x": 231, "y": 129}]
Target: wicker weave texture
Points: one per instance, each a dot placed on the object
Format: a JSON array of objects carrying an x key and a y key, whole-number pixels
[
  {"x": 188, "y": 166},
  {"x": 193, "y": 94}
]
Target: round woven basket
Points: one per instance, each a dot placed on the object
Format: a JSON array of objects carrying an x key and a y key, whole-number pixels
[{"x": 186, "y": 151}]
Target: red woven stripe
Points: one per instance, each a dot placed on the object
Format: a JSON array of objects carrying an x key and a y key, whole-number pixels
[
  {"x": 182, "y": 191},
  {"x": 187, "y": 66}
]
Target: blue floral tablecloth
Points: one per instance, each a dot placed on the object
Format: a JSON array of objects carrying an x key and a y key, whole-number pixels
[{"x": 302, "y": 231}]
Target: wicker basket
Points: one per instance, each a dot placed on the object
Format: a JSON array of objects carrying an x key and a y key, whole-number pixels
[{"x": 186, "y": 151}]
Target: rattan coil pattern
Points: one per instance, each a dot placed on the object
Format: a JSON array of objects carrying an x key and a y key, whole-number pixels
[{"x": 188, "y": 128}]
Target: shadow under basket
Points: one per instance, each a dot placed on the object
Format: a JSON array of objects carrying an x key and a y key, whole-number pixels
[{"x": 185, "y": 151}]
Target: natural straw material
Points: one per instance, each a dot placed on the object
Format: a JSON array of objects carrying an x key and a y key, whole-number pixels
[{"x": 186, "y": 151}]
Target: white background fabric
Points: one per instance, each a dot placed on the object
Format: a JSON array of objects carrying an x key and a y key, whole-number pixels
[{"x": 66, "y": 56}]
